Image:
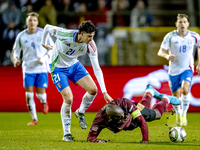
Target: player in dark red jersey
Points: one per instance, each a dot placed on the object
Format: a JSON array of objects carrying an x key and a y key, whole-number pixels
[{"x": 123, "y": 114}]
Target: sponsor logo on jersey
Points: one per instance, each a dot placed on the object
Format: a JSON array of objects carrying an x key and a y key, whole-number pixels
[
  {"x": 176, "y": 42},
  {"x": 188, "y": 78}
]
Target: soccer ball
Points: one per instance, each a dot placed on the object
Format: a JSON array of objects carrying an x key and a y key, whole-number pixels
[{"x": 177, "y": 134}]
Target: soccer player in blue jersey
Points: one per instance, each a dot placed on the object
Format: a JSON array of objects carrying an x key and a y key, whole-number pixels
[
  {"x": 35, "y": 64},
  {"x": 69, "y": 45},
  {"x": 178, "y": 47}
]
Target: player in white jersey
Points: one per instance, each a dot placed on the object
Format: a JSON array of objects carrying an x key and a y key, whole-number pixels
[
  {"x": 180, "y": 46},
  {"x": 35, "y": 66},
  {"x": 64, "y": 65}
]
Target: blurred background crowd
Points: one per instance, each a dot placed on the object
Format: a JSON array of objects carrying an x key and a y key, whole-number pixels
[{"x": 129, "y": 31}]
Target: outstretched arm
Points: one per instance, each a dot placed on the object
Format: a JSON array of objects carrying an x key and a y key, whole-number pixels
[
  {"x": 48, "y": 29},
  {"x": 143, "y": 125},
  {"x": 99, "y": 76},
  {"x": 94, "y": 132},
  {"x": 92, "y": 137}
]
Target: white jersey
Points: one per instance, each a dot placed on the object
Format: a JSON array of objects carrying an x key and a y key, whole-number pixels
[
  {"x": 182, "y": 48},
  {"x": 32, "y": 50},
  {"x": 66, "y": 51}
]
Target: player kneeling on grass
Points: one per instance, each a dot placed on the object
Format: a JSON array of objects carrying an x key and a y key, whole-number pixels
[{"x": 123, "y": 114}]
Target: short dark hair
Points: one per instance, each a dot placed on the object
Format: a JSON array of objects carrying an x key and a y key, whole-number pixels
[
  {"x": 87, "y": 26},
  {"x": 182, "y": 16},
  {"x": 33, "y": 14}
]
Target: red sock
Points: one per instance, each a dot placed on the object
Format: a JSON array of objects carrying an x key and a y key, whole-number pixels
[
  {"x": 146, "y": 100},
  {"x": 161, "y": 106}
]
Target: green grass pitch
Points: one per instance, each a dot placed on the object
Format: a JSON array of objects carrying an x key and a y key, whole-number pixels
[{"x": 47, "y": 135}]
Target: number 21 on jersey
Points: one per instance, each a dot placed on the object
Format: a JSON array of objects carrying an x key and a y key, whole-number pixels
[
  {"x": 56, "y": 78},
  {"x": 70, "y": 52}
]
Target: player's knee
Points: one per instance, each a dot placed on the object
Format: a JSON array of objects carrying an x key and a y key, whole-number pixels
[
  {"x": 68, "y": 101},
  {"x": 67, "y": 97},
  {"x": 176, "y": 94},
  {"x": 29, "y": 96},
  {"x": 41, "y": 96},
  {"x": 92, "y": 91},
  {"x": 185, "y": 90}
]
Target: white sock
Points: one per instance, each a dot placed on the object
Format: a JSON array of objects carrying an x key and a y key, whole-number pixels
[
  {"x": 66, "y": 117},
  {"x": 42, "y": 97},
  {"x": 185, "y": 103},
  {"x": 86, "y": 102},
  {"x": 31, "y": 105},
  {"x": 177, "y": 109}
]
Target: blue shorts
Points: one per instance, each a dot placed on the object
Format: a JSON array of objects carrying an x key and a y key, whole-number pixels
[
  {"x": 74, "y": 73},
  {"x": 39, "y": 80},
  {"x": 175, "y": 81}
]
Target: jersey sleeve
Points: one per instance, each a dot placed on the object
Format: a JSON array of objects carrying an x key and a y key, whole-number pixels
[
  {"x": 144, "y": 128},
  {"x": 49, "y": 42},
  {"x": 97, "y": 126},
  {"x": 198, "y": 40},
  {"x": 59, "y": 33},
  {"x": 94, "y": 132},
  {"x": 17, "y": 47},
  {"x": 48, "y": 29},
  {"x": 166, "y": 42},
  {"x": 92, "y": 52}
]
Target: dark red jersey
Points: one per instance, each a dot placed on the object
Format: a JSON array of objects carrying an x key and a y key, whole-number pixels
[{"x": 102, "y": 120}]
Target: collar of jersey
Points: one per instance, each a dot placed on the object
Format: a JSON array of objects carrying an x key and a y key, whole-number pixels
[
  {"x": 33, "y": 33},
  {"x": 179, "y": 35}
]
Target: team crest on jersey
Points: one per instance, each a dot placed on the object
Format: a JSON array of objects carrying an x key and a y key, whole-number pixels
[
  {"x": 59, "y": 85},
  {"x": 190, "y": 42},
  {"x": 26, "y": 41},
  {"x": 54, "y": 31},
  {"x": 94, "y": 128},
  {"x": 80, "y": 49}
]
